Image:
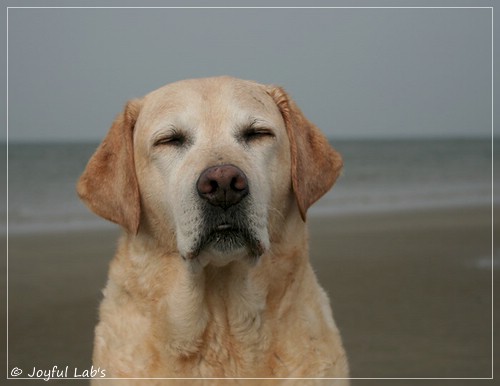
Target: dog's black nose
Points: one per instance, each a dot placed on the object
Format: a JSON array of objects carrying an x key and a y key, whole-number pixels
[{"x": 222, "y": 185}]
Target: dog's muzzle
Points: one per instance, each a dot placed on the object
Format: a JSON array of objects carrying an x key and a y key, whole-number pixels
[{"x": 225, "y": 221}]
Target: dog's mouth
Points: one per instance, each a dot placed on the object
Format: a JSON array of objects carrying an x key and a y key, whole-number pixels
[
  {"x": 224, "y": 227},
  {"x": 226, "y": 237}
]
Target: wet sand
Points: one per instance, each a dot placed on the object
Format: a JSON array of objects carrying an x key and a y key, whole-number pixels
[{"x": 411, "y": 293}]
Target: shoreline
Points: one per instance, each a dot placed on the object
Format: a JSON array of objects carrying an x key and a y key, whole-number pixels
[
  {"x": 98, "y": 225},
  {"x": 408, "y": 292}
]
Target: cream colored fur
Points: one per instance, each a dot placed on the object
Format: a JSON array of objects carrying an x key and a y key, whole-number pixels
[{"x": 171, "y": 311}]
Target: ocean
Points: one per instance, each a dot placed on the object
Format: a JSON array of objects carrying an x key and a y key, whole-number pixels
[{"x": 379, "y": 175}]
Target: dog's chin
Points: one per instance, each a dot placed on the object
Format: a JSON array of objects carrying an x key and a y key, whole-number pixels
[{"x": 224, "y": 246}]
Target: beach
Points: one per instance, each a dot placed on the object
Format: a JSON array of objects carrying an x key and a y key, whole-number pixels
[{"x": 411, "y": 293}]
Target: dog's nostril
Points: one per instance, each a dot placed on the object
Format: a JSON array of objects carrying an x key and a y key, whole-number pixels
[
  {"x": 238, "y": 183},
  {"x": 206, "y": 185},
  {"x": 222, "y": 185}
]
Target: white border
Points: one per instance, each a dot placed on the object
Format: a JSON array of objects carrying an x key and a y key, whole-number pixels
[
  {"x": 492, "y": 197},
  {"x": 236, "y": 7},
  {"x": 7, "y": 193}
]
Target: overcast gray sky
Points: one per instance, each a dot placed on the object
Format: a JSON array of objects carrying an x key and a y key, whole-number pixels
[{"x": 354, "y": 72}]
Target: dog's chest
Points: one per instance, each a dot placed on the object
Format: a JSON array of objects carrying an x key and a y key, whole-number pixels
[{"x": 235, "y": 336}]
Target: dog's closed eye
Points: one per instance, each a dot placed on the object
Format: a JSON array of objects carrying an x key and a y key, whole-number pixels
[
  {"x": 252, "y": 134},
  {"x": 173, "y": 138}
]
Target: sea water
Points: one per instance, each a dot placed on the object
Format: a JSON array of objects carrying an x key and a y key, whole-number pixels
[
  {"x": 388, "y": 175},
  {"x": 378, "y": 175}
]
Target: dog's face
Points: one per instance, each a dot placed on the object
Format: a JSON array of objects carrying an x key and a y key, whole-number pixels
[
  {"x": 219, "y": 162},
  {"x": 212, "y": 159}
]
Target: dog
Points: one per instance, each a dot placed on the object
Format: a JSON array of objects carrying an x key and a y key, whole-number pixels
[{"x": 211, "y": 180}]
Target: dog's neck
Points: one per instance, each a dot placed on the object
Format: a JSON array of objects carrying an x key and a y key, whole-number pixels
[{"x": 195, "y": 305}]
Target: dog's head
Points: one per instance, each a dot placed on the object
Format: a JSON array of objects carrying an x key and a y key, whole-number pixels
[{"x": 217, "y": 162}]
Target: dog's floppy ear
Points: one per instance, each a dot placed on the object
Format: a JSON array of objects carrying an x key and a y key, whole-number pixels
[
  {"x": 108, "y": 186},
  {"x": 315, "y": 164}
]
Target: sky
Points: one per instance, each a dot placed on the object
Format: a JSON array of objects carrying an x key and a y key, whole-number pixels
[{"x": 356, "y": 73}]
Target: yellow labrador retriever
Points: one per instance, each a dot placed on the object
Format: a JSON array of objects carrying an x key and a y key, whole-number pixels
[{"x": 211, "y": 180}]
